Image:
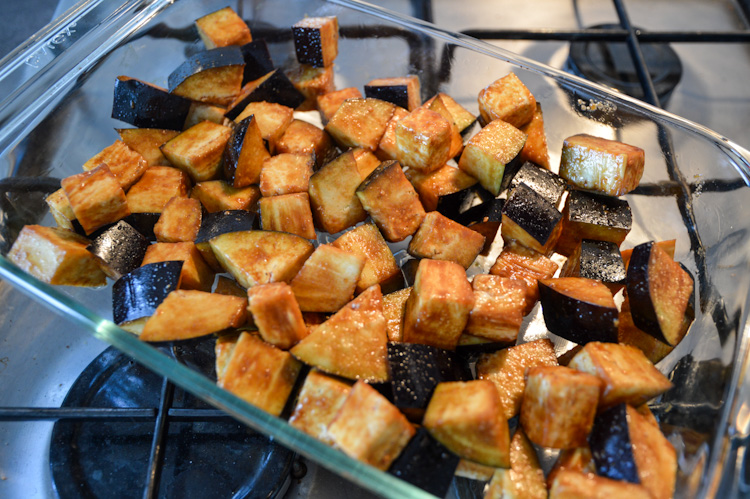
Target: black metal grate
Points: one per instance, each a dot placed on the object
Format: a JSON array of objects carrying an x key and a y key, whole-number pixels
[{"x": 165, "y": 414}]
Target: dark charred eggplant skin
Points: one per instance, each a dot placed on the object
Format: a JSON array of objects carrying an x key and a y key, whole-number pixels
[
  {"x": 547, "y": 184},
  {"x": 601, "y": 260},
  {"x": 308, "y": 46},
  {"x": 144, "y": 223},
  {"x": 576, "y": 320},
  {"x": 530, "y": 211},
  {"x": 587, "y": 207},
  {"x": 488, "y": 212},
  {"x": 137, "y": 294},
  {"x": 277, "y": 88},
  {"x": 395, "y": 94},
  {"x": 455, "y": 204},
  {"x": 426, "y": 463},
  {"x": 120, "y": 249},
  {"x": 146, "y": 106},
  {"x": 639, "y": 292},
  {"x": 234, "y": 147},
  {"x": 610, "y": 445},
  {"x": 207, "y": 59},
  {"x": 257, "y": 60},
  {"x": 221, "y": 222}
]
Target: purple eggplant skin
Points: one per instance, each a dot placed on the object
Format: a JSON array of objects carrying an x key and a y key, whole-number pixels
[
  {"x": 277, "y": 88},
  {"x": 639, "y": 293},
  {"x": 395, "y": 94},
  {"x": 147, "y": 106},
  {"x": 602, "y": 261},
  {"x": 206, "y": 59},
  {"x": 547, "y": 184},
  {"x": 487, "y": 212},
  {"x": 120, "y": 249},
  {"x": 257, "y": 60},
  {"x": 426, "y": 463},
  {"x": 137, "y": 294},
  {"x": 234, "y": 147},
  {"x": 308, "y": 46},
  {"x": 576, "y": 320},
  {"x": 537, "y": 216},
  {"x": 610, "y": 445},
  {"x": 221, "y": 222},
  {"x": 598, "y": 209}
]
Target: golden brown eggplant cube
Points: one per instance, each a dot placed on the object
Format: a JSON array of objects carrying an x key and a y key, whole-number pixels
[
  {"x": 286, "y": 174},
  {"x": 629, "y": 334},
  {"x": 125, "y": 164},
  {"x": 200, "y": 111},
  {"x": 330, "y": 102},
  {"x": 272, "y": 119},
  {"x": 311, "y": 82},
  {"x": 578, "y": 460},
  {"x": 147, "y": 143},
  {"x": 387, "y": 148},
  {"x": 467, "y": 418},
  {"x": 217, "y": 195},
  {"x": 627, "y": 374},
  {"x": 96, "y": 198},
  {"x": 535, "y": 149},
  {"x": 316, "y": 40},
  {"x": 179, "y": 221},
  {"x": 222, "y": 28},
  {"x": 601, "y": 165},
  {"x": 156, "y": 187},
  {"x": 423, "y": 140},
  {"x": 261, "y": 374},
  {"x": 524, "y": 264},
  {"x": 360, "y": 122},
  {"x": 442, "y": 182},
  {"x": 390, "y": 199},
  {"x": 301, "y": 137},
  {"x": 56, "y": 256},
  {"x": 506, "y": 369},
  {"x": 380, "y": 265},
  {"x": 327, "y": 280},
  {"x": 440, "y": 238},
  {"x": 507, "y": 99},
  {"x": 489, "y": 151},
  {"x": 404, "y": 91},
  {"x": 567, "y": 484},
  {"x": 460, "y": 116},
  {"x": 288, "y": 213},
  {"x": 531, "y": 220},
  {"x": 438, "y": 308},
  {"x": 198, "y": 150},
  {"x": 394, "y": 307},
  {"x": 498, "y": 308},
  {"x": 224, "y": 348},
  {"x": 593, "y": 216},
  {"x": 333, "y": 194},
  {"x": 60, "y": 209},
  {"x": 525, "y": 478},
  {"x": 457, "y": 142},
  {"x": 367, "y": 162},
  {"x": 559, "y": 405},
  {"x": 195, "y": 274},
  {"x": 369, "y": 428},
  {"x": 244, "y": 154},
  {"x": 318, "y": 402},
  {"x": 276, "y": 313}
]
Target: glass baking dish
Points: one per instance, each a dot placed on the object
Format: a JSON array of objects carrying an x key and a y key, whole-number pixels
[{"x": 54, "y": 115}]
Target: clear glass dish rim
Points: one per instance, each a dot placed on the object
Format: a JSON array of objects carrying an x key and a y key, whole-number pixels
[{"x": 125, "y": 18}]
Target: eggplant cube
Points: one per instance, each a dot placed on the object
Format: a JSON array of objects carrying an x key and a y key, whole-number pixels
[
  {"x": 245, "y": 153},
  {"x": 204, "y": 112},
  {"x": 311, "y": 82},
  {"x": 462, "y": 118},
  {"x": 423, "y": 140},
  {"x": 148, "y": 106},
  {"x": 367, "y": 162},
  {"x": 137, "y": 294},
  {"x": 327, "y": 280},
  {"x": 212, "y": 76},
  {"x": 457, "y": 142},
  {"x": 438, "y": 308},
  {"x": 525, "y": 477},
  {"x": 369, "y": 428},
  {"x": 599, "y": 260},
  {"x": 601, "y": 165},
  {"x": 629, "y": 377},
  {"x": 156, "y": 187},
  {"x": 391, "y": 201},
  {"x": 222, "y": 28},
  {"x": 288, "y": 213},
  {"x": 440, "y": 238},
  {"x": 261, "y": 374},
  {"x": 286, "y": 174},
  {"x": 559, "y": 405},
  {"x": 330, "y": 102},
  {"x": 402, "y": 91},
  {"x": 535, "y": 149},
  {"x": 56, "y": 256},
  {"x": 588, "y": 485},
  {"x": 467, "y": 418},
  {"x": 394, "y": 306},
  {"x": 318, "y": 402},
  {"x": 578, "y": 460},
  {"x": 257, "y": 60},
  {"x": 147, "y": 143},
  {"x": 120, "y": 249},
  {"x": 125, "y": 164},
  {"x": 387, "y": 148},
  {"x": 352, "y": 342},
  {"x": 506, "y": 369},
  {"x": 380, "y": 265},
  {"x": 195, "y": 273},
  {"x": 277, "y": 315},
  {"x": 217, "y": 195},
  {"x": 426, "y": 463},
  {"x": 591, "y": 216},
  {"x": 303, "y": 138},
  {"x": 96, "y": 197},
  {"x": 198, "y": 150},
  {"x": 439, "y": 185},
  {"x": 524, "y": 264},
  {"x": 507, "y": 99},
  {"x": 273, "y": 87},
  {"x": 60, "y": 209},
  {"x": 360, "y": 122},
  {"x": 531, "y": 220},
  {"x": 498, "y": 309},
  {"x": 547, "y": 184},
  {"x": 316, "y": 40},
  {"x": 180, "y": 221},
  {"x": 490, "y": 152},
  {"x": 629, "y": 334},
  {"x": 272, "y": 120},
  {"x": 333, "y": 195}
]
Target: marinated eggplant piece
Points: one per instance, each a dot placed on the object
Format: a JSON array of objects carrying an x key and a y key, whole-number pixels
[
  {"x": 147, "y": 106},
  {"x": 180, "y": 221},
  {"x": 659, "y": 291},
  {"x": 276, "y": 314},
  {"x": 506, "y": 99},
  {"x": 96, "y": 198},
  {"x": 467, "y": 418},
  {"x": 668, "y": 246},
  {"x": 570, "y": 484},
  {"x": 214, "y": 224},
  {"x": 457, "y": 142},
  {"x": 244, "y": 154},
  {"x": 499, "y": 303},
  {"x": 327, "y": 280},
  {"x": 578, "y": 460},
  {"x": 311, "y": 82},
  {"x": 579, "y": 310},
  {"x": 524, "y": 264},
  {"x": 228, "y": 286},
  {"x": 394, "y": 306},
  {"x": 426, "y": 463},
  {"x": 218, "y": 195},
  {"x": 333, "y": 194},
  {"x": 440, "y": 238},
  {"x": 286, "y": 174},
  {"x": 212, "y": 76},
  {"x": 627, "y": 446},
  {"x": 547, "y": 184},
  {"x": 380, "y": 265},
  {"x": 272, "y": 120},
  {"x": 147, "y": 142},
  {"x": 367, "y": 162},
  {"x": 531, "y": 220},
  {"x": 490, "y": 152},
  {"x": 198, "y": 150},
  {"x": 316, "y": 41},
  {"x": 56, "y": 256},
  {"x": 257, "y": 60},
  {"x": 156, "y": 187},
  {"x": 601, "y": 165},
  {"x": 535, "y": 149},
  {"x": 598, "y": 260},
  {"x": 303, "y": 138},
  {"x": 120, "y": 249},
  {"x": 222, "y": 28},
  {"x": 204, "y": 112},
  {"x": 186, "y": 314},
  {"x": 195, "y": 273},
  {"x": 591, "y": 216},
  {"x": 402, "y": 91},
  {"x": 462, "y": 118},
  {"x": 318, "y": 402},
  {"x": 443, "y": 190},
  {"x": 629, "y": 334},
  {"x": 272, "y": 87},
  {"x": 330, "y": 102},
  {"x": 360, "y": 123},
  {"x": 388, "y": 197},
  {"x": 525, "y": 477},
  {"x": 423, "y": 140},
  {"x": 352, "y": 342},
  {"x": 125, "y": 164},
  {"x": 484, "y": 218},
  {"x": 559, "y": 405},
  {"x": 61, "y": 211},
  {"x": 137, "y": 294},
  {"x": 143, "y": 223},
  {"x": 288, "y": 213},
  {"x": 387, "y": 148}
]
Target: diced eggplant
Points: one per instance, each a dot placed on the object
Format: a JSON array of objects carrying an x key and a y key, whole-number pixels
[
  {"x": 531, "y": 220},
  {"x": 288, "y": 213},
  {"x": 126, "y": 164},
  {"x": 218, "y": 195},
  {"x": 426, "y": 463},
  {"x": 402, "y": 91},
  {"x": 659, "y": 291},
  {"x": 443, "y": 190},
  {"x": 318, "y": 402},
  {"x": 147, "y": 106},
  {"x": 137, "y": 294},
  {"x": 303, "y": 138},
  {"x": 578, "y": 460},
  {"x": 311, "y": 82},
  {"x": 440, "y": 238},
  {"x": 592, "y": 216},
  {"x": 547, "y": 184},
  {"x": 61, "y": 211},
  {"x": 120, "y": 249},
  {"x": 330, "y": 102},
  {"x": 143, "y": 223},
  {"x": 579, "y": 310},
  {"x": 387, "y": 148},
  {"x": 96, "y": 197},
  {"x": 198, "y": 151},
  {"x": 156, "y": 187},
  {"x": 316, "y": 40},
  {"x": 327, "y": 280},
  {"x": 333, "y": 194},
  {"x": 272, "y": 87},
  {"x": 228, "y": 286},
  {"x": 380, "y": 264},
  {"x": 599, "y": 260},
  {"x": 568, "y": 484},
  {"x": 462, "y": 118},
  {"x": 212, "y": 76},
  {"x": 521, "y": 263},
  {"x": 195, "y": 273},
  {"x": 360, "y": 122},
  {"x": 423, "y": 140},
  {"x": 222, "y": 28},
  {"x": 286, "y": 174},
  {"x": 669, "y": 246},
  {"x": 506, "y": 99},
  {"x": 276, "y": 314},
  {"x": 245, "y": 153},
  {"x": 257, "y": 60},
  {"x": 272, "y": 120},
  {"x": 535, "y": 149},
  {"x": 179, "y": 222},
  {"x": 147, "y": 142},
  {"x": 499, "y": 304}
]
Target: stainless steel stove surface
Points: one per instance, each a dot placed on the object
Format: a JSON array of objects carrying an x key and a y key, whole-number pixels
[{"x": 712, "y": 89}]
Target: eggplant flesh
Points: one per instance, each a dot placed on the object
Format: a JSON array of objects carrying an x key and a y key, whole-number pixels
[
  {"x": 577, "y": 320},
  {"x": 222, "y": 222},
  {"x": 207, "y": 59}
]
